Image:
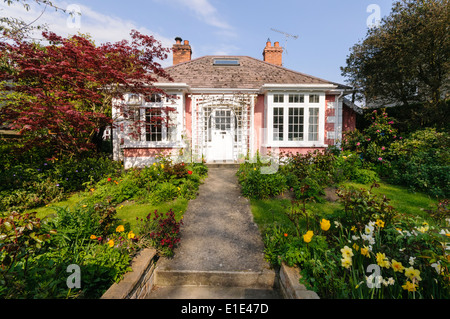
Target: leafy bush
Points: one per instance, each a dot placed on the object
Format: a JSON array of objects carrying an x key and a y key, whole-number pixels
[
  {"x": 35, "y": 254},
  {"x": 422, "y": 162},
  {"x": 254, "y": 184},
  {"x": 162, "y": 231},
  {"x": 28, "y": 186}
]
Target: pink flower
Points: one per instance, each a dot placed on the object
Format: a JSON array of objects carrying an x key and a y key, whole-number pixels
[
  {"x": 378, "y": 131},
  {"x": 383, "y": 148},
  {"x": 357, "y": 144},
  {"x": 380, "y": 159}
]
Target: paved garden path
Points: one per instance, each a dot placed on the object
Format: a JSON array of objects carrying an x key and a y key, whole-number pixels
[{"x": 221, "y": 254}]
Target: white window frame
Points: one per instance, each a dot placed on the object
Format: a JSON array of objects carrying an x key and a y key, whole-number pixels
[
  {"x": 306, "y": 105},
  {"x": 176, "y": 120}
]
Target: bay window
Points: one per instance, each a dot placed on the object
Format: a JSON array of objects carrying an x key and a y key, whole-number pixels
[{"x": 296, "y": 119}]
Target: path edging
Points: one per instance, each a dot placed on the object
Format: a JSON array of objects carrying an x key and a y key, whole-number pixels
[
  {"x": 290, "y": 286},
  {"x": 137, "y": 283}
]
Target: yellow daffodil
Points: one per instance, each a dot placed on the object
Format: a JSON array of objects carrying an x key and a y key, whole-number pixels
[
  {"x": 379, "y": 223},
  {"x": 111, "y": 243},
  {"x": 382, "y": 261},
  {"x": 365, "y": 251},
  {"x": 353, "y": 229},
  {"x": 347, "y": 251},
  {"x": 355, "y": 247},
  {"x": 120, "y": 229},
  {"x": 409, "y": 286},
  {"x": 413, "y": 274},
  {"x": 397, "y": 266},
  {"x": 346, "y": 262},
  {"x": 325, "y": 224}
]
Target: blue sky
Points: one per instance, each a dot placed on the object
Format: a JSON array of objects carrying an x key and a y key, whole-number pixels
[{"x": 326, "y": 29}]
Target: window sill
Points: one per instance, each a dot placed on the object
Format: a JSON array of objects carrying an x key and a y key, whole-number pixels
[
  {"x": 295, "y": 144},
  {"x": 154, "y": 145}
]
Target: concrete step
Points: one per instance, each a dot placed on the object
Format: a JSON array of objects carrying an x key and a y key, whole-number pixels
[
  {"x": 222, "y": 165},
  {"x": 265, "y": 279},
  {"x": 208, "y": 292}
]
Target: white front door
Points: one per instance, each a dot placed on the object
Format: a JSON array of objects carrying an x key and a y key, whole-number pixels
[{"x": 222, "y": 135}]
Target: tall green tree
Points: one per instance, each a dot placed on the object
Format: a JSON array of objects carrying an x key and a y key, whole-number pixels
[{"x": 405, "y": 60}]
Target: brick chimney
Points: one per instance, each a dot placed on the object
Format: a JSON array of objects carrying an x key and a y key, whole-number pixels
[
  {"x": 181, "y": 52},
  {"x": 273, "y": 54}
]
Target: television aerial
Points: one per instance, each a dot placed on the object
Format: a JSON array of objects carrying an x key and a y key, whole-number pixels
[{"x": 286, "y": 36}]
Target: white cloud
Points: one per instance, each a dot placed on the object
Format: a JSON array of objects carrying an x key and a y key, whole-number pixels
[{"x": 101, "y": 27}]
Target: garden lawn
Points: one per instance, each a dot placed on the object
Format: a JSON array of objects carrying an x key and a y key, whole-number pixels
[
  {"x": 128, "y": 212},
  {"x": 267, "y": 211}
]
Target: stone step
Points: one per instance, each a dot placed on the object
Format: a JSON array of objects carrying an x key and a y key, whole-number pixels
[
  {"x": 208, "y": 292},
  {"x": 265, "y": 279},
  {"x": 222, "y": 165}
]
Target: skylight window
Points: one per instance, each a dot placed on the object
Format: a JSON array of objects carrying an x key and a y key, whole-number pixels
[{"x": 226, "y": 62}]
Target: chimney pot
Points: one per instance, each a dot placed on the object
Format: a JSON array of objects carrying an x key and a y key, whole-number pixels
[
  {"x": 181, "y": 51},
  {"x": 273, "y": 54}
]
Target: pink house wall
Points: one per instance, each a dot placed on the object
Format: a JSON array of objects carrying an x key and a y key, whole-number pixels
[
  {"x": 329, "y": 127},
  {"x": 146, "y": 152},
  {"x": 188, "y": 115},
  {"x": 258, "y": 120}
]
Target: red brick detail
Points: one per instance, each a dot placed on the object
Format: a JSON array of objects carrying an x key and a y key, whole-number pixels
[
  {"x": 273, "y": 54},
  {"x": 181, "y": 52},
  {"x": 348, "y": 119},
  {"x": 146, "y": 152},
  {"x": 295, "y": 150},
  {"x": 329, "y": 127}
]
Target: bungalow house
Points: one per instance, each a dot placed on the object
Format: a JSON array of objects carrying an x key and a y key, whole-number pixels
[{"x": 230, "y": 107}]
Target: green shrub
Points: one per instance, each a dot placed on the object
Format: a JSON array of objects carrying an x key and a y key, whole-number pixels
[{"x": 257, "y": 185}]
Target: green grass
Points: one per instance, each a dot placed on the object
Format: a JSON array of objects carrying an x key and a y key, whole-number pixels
[
  {"x": 128, "y": 212},
  {"x": 266, "y": 212},
  {"x": 405, "y": 201}
]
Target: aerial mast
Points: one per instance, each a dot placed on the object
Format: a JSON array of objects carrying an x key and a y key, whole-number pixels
[{"x": 286, "y": 36}]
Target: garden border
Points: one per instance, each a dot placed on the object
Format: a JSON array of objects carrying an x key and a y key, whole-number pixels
[
  {"x": 137, "y": 283},
  {"x": 290, "y": 286}
]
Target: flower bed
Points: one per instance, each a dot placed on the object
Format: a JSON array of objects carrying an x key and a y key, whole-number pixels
[{"x": 38, "y": 254}]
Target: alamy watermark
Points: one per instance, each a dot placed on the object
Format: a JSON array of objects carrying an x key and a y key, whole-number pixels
[
  {"x": 374, "y": 19},
  {"x": 74, "y": 19},
  {"x": 73, "y": 280}
]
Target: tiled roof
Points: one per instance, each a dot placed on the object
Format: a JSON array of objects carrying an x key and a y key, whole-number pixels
[{"x": 251, "y": 73}]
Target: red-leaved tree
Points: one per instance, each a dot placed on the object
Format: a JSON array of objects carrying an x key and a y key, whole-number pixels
[{"x": 58, "y": 96}]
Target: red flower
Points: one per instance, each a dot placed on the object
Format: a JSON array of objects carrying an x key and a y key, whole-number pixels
[
  {"x": 190, "y": 172},
  {"x": 109, "y": 179}
]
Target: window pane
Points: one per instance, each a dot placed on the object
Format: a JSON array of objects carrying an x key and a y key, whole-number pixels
[
  {"x": 296, "y": 98},
  {"x": 314, "y": 98},
  {"x": 313, "y": 131},
  {"x": 278, "y": 98},
  {"x": 295, "y": 129},
  {"x": 278, "y": 124},
  {"x": 153, "y": 125}
]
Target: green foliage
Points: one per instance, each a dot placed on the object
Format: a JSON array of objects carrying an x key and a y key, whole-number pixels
[
  {"x": 162, "y": 231},
  {"x": 367, "y": 231},
  {"x": 422, "y": 162},
  {"x": 28, "y": 186},
  {"x": 385, "y": 65},
  {"x": 255, "y": 184}
]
